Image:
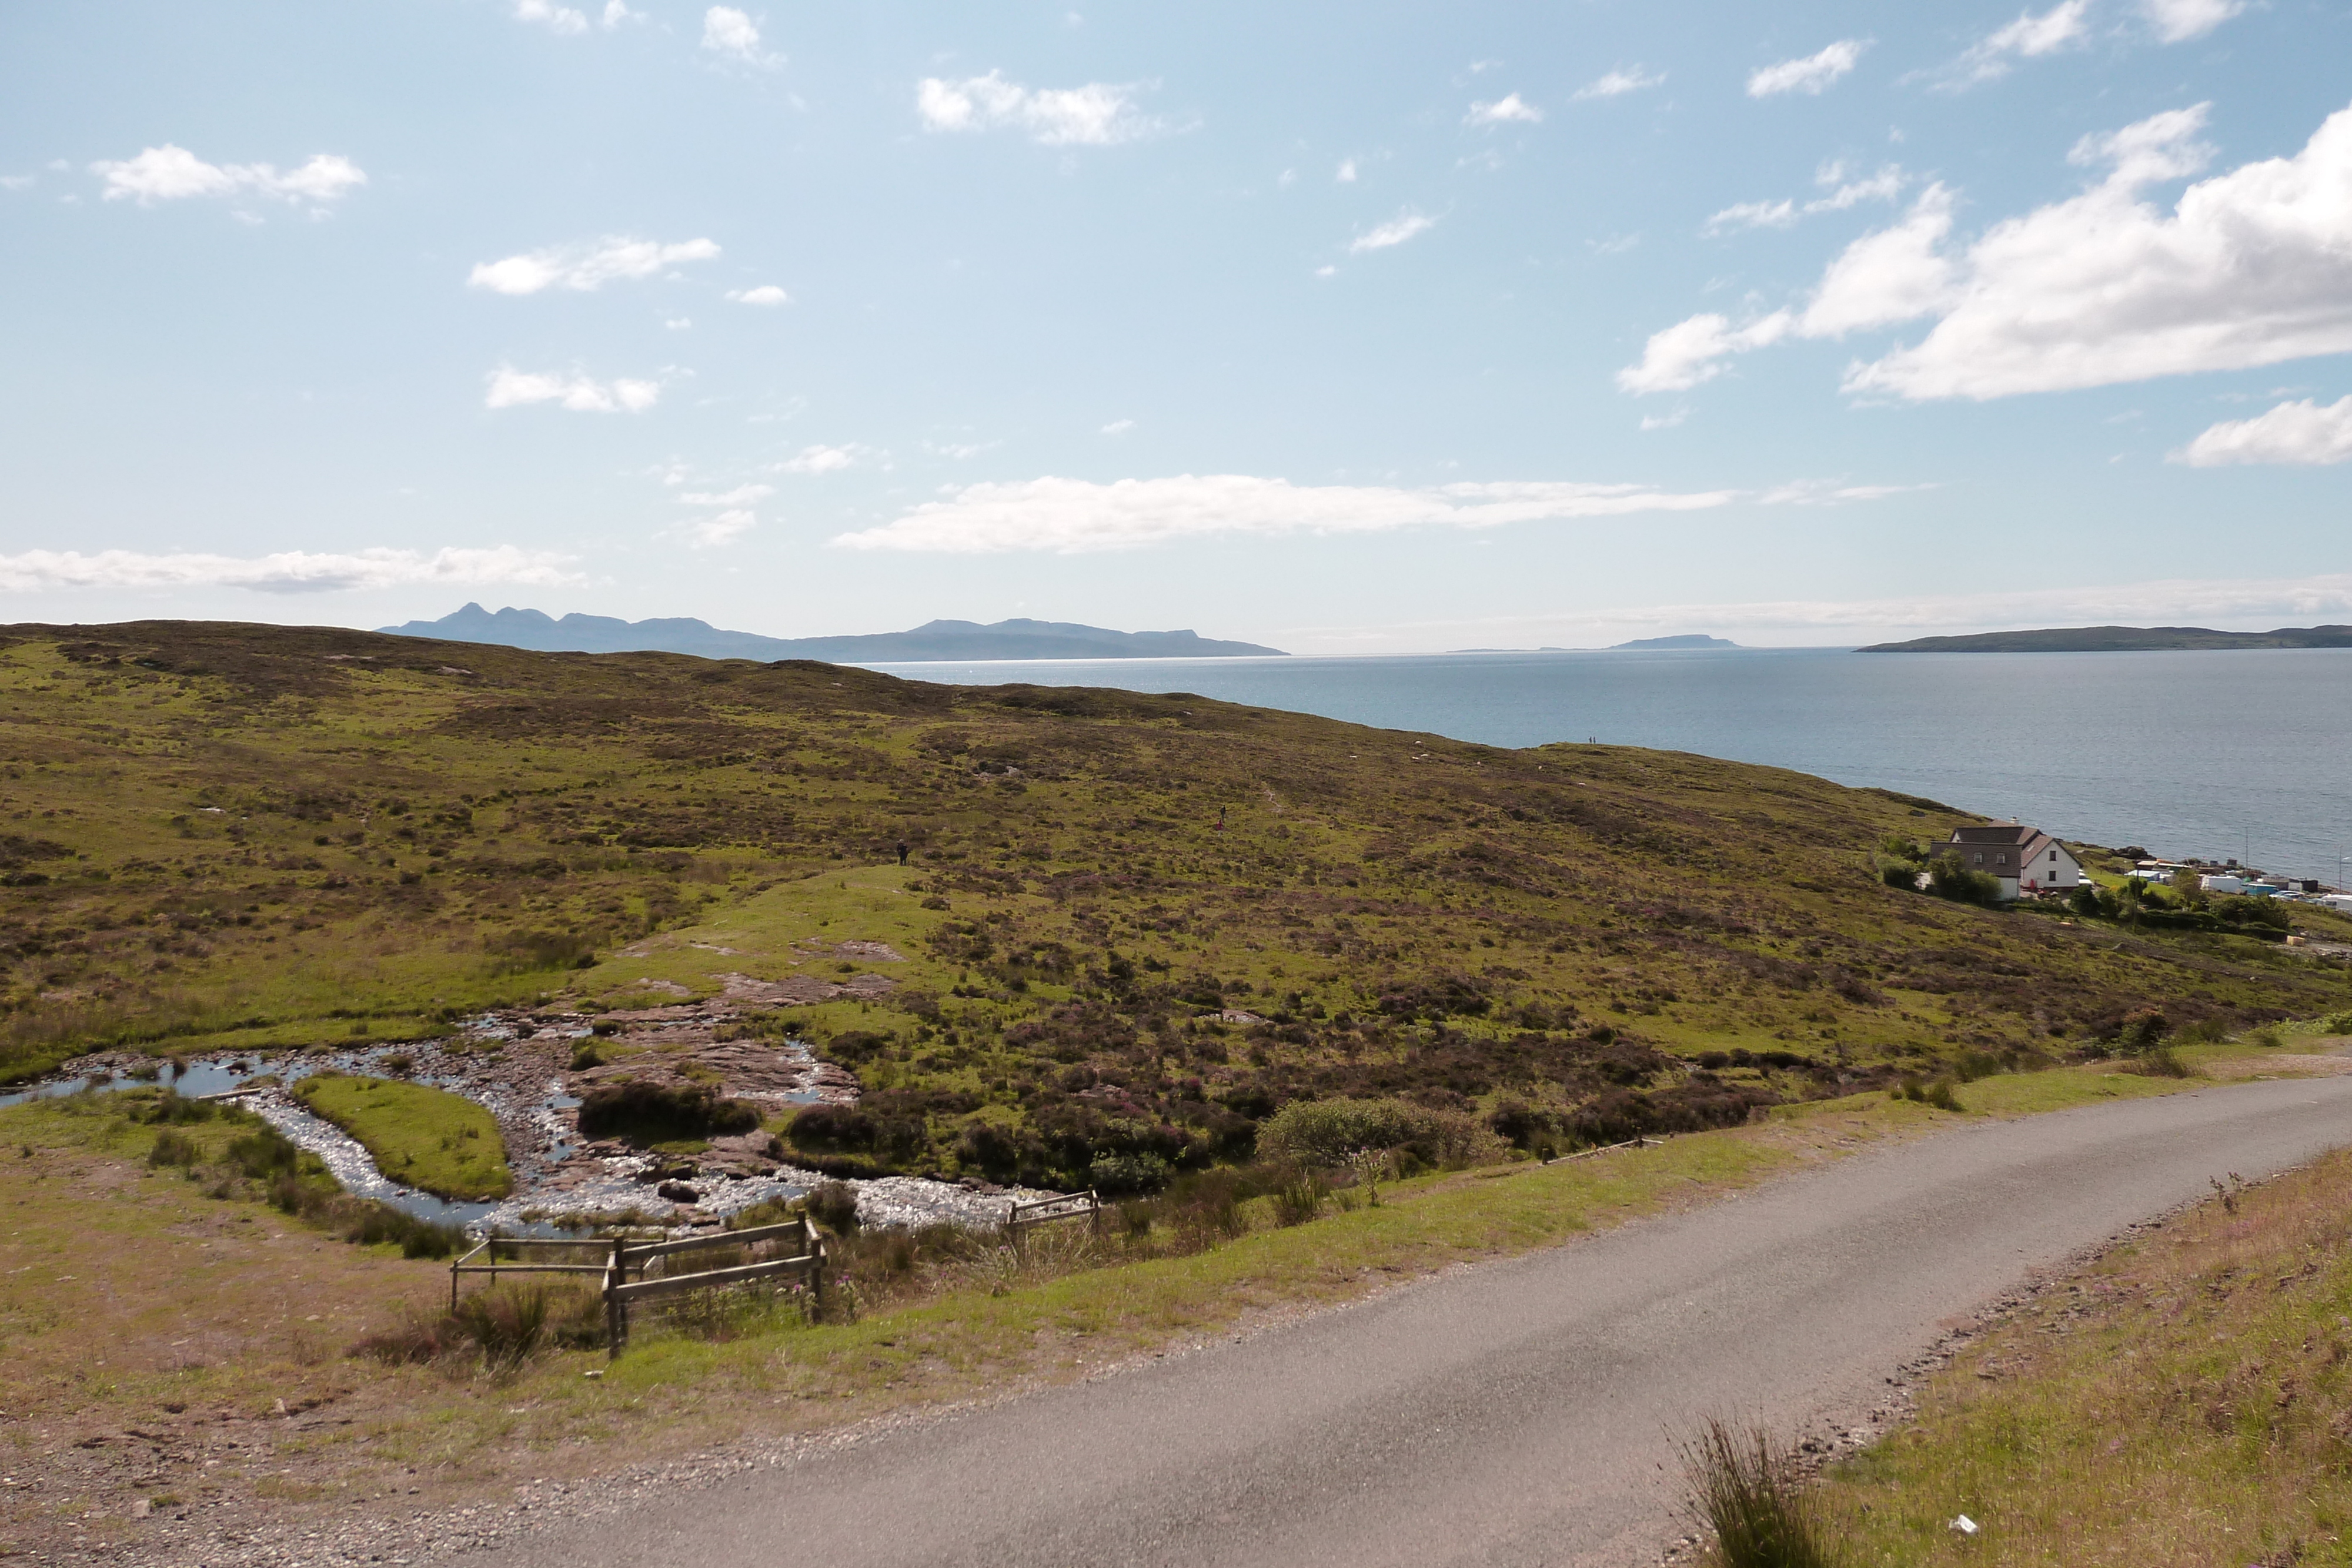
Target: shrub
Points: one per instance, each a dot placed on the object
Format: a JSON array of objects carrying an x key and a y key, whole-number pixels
[
  {"x": 645, "y": 1112},
  {"x": 2142, "y": 1029},
  {"x": 1899, "y": 873},
  {"x": 2340, "y": 1024},
  {"x": 1520, "y": 1124},
  {"x": 1947, "y": 878},
  {"x": 265, "y": 1154},
  {"x": 1749, "y": 1492},
  {"x": 505, "y": 1321},
  {"x": 170, "y": 1109},
  {"x": 834, "y": 1204},
  {"x": 1938, "y": 1093},
  {"x": 1118, "y": 1175},
  {"x": 832, "y": 1129},
  {"x": 417, "y": 1338},
  {"x": 1299, "y": 1199},
  {"x": 172, "y": 1148},
  {"x": 1327, "y": 1133}
]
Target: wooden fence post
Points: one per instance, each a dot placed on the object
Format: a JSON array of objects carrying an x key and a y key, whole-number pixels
[{"x": 616, "y": 1311}]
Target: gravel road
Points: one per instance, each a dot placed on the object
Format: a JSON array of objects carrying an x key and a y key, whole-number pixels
[{"x": 1520, "y": 1413}]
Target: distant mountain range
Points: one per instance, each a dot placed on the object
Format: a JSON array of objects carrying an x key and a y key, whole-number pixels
[
  {"x": 535, "y": 629},
  {"x": 2119, "y": 638},
  {"x": 1690, "y": 639}
]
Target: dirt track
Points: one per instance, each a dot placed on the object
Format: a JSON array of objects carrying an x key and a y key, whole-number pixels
[{"x": 1521, "y": 1413}]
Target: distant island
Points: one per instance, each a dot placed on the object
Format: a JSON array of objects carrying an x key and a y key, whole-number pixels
[
  {"x": 575, "y": 633},
  {"x": 2119, "y": 638},
  {"x": 1652, "y": 644}
]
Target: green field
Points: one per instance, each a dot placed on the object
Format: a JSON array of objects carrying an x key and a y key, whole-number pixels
[
  {"x": 429, "y": 1139},
  {"x": 1128, "y": 927}
]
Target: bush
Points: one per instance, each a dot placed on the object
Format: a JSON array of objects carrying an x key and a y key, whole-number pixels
[
  {"x": 1938, "y": 1093},
  {"x": 1750, "y": 1493},
  {"x": 170, "y": 1109},
  {"x": 645, "y": 1112},
  {"x": 1118, "y": 1176},
  {"x": 2340, "y": 1024},
  {"x": 1327, "y": 1133},
  {"x": 1947, "y": 878},
  {"x": 1522, "y": 1125},
  {"x": 174, "y": 1149},
  {"x": 506, "y": 1322},
  {"x": 2162, "y": 1061},
  {"x": 1299, "y": 1199},
  {"x": 2142, "y": 1029},
  {"x": 834, "y": 1204},
  {"x": 1899, "y": 873},
  {"x": 832, "y": 1129}
]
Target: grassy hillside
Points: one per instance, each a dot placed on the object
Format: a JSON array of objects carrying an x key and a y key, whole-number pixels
[{"x": 1127, "y": 925}]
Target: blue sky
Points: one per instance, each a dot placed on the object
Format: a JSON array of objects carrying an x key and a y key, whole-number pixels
[{"x": 1348, "y": 328}]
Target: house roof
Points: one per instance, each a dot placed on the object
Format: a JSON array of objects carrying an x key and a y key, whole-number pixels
[{"x": 2001, "y": 833}]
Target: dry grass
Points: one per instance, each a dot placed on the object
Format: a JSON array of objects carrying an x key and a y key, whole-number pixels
[{"x": 2186, "y": 1402}]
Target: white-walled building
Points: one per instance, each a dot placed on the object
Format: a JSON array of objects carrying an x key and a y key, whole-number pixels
[{"x": 2027, "y": 860}]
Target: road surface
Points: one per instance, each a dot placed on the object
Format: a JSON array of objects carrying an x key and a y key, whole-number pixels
[{"x": 1517, "y": 1413}]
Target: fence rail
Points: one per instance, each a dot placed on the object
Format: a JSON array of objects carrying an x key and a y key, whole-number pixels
[
  {"x": 622, "y": 1257},
  {"x": 1046, "y": 1210}
]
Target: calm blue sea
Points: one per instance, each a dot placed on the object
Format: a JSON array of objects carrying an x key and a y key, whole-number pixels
[{"x": 2245, "y": 754}]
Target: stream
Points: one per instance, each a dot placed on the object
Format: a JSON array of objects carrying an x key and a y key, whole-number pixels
[{"x": 540, "y": 1206}]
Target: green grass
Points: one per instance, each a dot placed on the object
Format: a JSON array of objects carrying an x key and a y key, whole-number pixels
[
  {"x": 2180, "y": 1403},
  {"x": 426, "y": 1138}
]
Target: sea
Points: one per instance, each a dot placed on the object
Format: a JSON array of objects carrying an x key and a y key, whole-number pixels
[{"x": 2244, "y": 754}]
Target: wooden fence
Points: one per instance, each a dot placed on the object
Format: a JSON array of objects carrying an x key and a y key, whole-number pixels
[
  {"x": 622, "y": 1257},
  {"x": 1046, "y": 1210}
]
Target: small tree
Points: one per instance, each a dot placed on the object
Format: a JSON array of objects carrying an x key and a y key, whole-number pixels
[{"x": 1947, "y": 878}]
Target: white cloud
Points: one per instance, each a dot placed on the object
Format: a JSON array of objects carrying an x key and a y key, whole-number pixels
[
  {"x": 616, "y": 13},
  {"x": 767, "y": 293},
  {"x": 1075, "y": 515},
  {"x": 1099, "y": 114},
  {"x": 511, "y": 388},
  {"x": 555, "y": 19},
  {"x": 732, "y": 33},
  {"x": 2250, "y": 267},
  {"x": 2029, "y": 36},
  {"x": 1617, "y": 83},
  {"x": 1883, "y": 186},
  {"x": 709, "y": 533},
  {"x": 2178, "y": 21},
  {"x": 585, "y": 266},
  {"x": 288, "y": 571},
  {"x": 1119, "y": 427},
  {"x": 1664, "y": 421},
  {"x": 1752, "y": 215},
  {"x": 19, "y": 182},
  {"x": 2303, "y": 432},
  {"x": 741, "y": 496},
  {"x": 170, "y": 174},
  {"x": 1689, "y": 352},
  {"x": 1346, "y": 171},
  {"x": 1394, "y": 232},
  {"x": 1812, "y": 74},
  {"x": 1509, "y": 110},
  {"x": 820, "y": 460}
]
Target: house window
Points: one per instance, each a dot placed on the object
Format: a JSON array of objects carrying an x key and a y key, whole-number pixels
[
  {"x": 2000, "y": 859},
  {"x": 1980, "y": 857}
]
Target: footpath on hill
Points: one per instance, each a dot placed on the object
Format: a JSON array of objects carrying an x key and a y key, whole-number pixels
[{"x": 1525, "y": 1411}]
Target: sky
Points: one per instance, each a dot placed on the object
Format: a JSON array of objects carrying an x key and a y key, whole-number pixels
[{"x": 1354, "y": 329}]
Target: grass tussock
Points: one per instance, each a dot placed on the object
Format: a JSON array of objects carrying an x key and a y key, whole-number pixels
[
  {"x": 1748, "y": 1494},
  {"x": 2185, "y": 1402}
]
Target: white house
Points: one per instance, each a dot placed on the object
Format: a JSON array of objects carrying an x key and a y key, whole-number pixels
[{"x": 2027, "y": 860}]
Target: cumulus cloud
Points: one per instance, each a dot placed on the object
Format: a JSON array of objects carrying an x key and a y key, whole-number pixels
[
  {"x": 1509, "y": 109},
  {"x": 511, "y": 388},
  {"x": 1099, "y": 114},
  {"x": 1812, "y": 74},
  {"x": 1076, "y": 516},
  {"x": 741, "y": 496},
  {"x": 2028, "y": 37},
  {"x": 2178, "y": 21},
  {"x": 1618, "y": 83},
  {"x": 585, "y": 266},
  {"x": 288, "y": 571},
  {"x": 2249, "y": 267},
  {"x": 1393, "y": 233},
  {"x": 171, "y": 174},
  {"x": 732, "y": 34},
  {"x": 767, "y": 293},
  {"x": 555, "y": 19},
  {"x": 820, "y": 460},
  {"x": 720, "y": 529},
  {"x": 2304, "y": 433}
]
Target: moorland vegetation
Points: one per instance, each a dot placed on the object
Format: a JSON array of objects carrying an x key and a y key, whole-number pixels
[{"x": 1063, "y": 937}]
